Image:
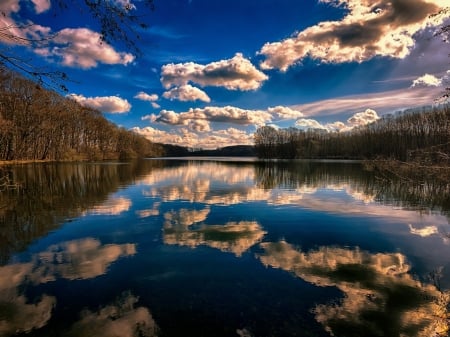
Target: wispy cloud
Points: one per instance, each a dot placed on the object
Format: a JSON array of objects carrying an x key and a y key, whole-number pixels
[{"x": 382, "y": 102}]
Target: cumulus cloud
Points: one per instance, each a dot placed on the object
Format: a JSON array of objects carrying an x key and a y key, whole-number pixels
[
  {"x": 359, "y": 119},
  {"x": 74, "y": 47},
  {"x": 309, "y": 124},
  {"x": 368, "y": 29},
  {"x": 237, "y": 73},
  {"x": 363, "y": 118},
  {"x": 40, "y": 6},
  {"x": 427, "y": 80},
  {"x": 83, "y": 48},
  {"x": 283, "y": 112},
  {"x": 111, "y": 104},
  {"x": 211, "y": 139},
  {"x": 186, "y": 93},
  {"x": 146, "y": 97},
  {"x": 227, "y": 114}
]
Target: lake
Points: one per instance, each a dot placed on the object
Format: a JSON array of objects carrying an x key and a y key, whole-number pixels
[{"x": 222, "y": 247}]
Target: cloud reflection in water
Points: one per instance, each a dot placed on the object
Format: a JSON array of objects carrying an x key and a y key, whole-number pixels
[
  {"x": 234, "y": 237},
  {"x": 380, "y": 298},
  {"x": 79, "y": 259}
]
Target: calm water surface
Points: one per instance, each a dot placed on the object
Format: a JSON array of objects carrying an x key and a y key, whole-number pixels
[{"x": 221, "y": 248}]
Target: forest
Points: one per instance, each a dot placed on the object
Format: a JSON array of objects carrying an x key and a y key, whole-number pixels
[
  {"x": 420, "y": 135},
  {"x": 40, "y": 124}
]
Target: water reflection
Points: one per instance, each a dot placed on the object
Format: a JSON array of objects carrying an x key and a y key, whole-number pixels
[
  {"x": 49, "y": 194},
  {"x": 380, "y": 297},
  {"x": 114, "y": 206},
  {"x": 120, "y": 319},
  {"x": 247, "y": 210},
  {"x": 79, "y": 259},
  {"x": 234, "y": 237},
  {"x": 369, "y": 186},
  {"x": 337, "y": 188}
]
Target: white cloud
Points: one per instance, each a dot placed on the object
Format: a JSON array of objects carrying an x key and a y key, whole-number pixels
[
  {"x": 41, "y": 6},
  {"x": 227, "y": 114},
  {"x": 309, "y": 124},
  {"x": 146, "y": 97},
  {"x": 74, "y": 47},
  {"x": 111, "y": 104},
  {"x": 237, "y": 73},
  {"x": 368, "y": 29},
  {"x": 283, "y": 112},
  {"x": 427, "y": 80},
  {"x": 359, "y": 119},
  {"x": 152, "y": 98},
  {"x": 83, "y": 48},
  {"x": 155, "y": 105},
  {"x": 186, "y": 93},
  {"x": 210, "y": 139},
  {"x": 363, "y": 118}
]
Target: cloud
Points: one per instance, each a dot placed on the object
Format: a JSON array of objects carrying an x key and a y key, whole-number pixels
[
  {"x": 359, "y": 119},
  {"x": 149, "y": 98},
  {"x": 41, "y": 6},
  {"x": 237, "y": 73},
  {"x": 146, "y": 97},
  {"x": 111, "y": 104},
  {"x": 382, "y": 102},
  {"x": 83, "y": 48},
  {"x": 186, "y": 93},
  {"x": 309, "y": 124},
  {"x": 283, "y": 112},
  {"x": 368, "y": 29},
  {"x": 74, "y": 47},
  {"x": 426, "y": 80},
  {"x": 363, "y": 118},
  {"x": 227, "y": 114},
  {"x": 211, "y": 139}
]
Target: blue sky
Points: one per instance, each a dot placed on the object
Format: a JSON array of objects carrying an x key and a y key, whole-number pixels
[{"x": 211, "y": 72}]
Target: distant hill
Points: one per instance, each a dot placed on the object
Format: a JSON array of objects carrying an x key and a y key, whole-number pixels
[{"x": 228, "y": 151}]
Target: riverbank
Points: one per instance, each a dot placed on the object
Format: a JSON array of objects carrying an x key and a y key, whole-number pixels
[{"x": 411, "y": 171}]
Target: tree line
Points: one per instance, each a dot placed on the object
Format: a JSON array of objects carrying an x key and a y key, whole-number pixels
[
  {"x": 416, "y": 135},
  {"x": 40, "y": 124}
]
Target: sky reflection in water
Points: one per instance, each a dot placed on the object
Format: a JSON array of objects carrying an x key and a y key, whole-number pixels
[{"x": 203, "y": 248}]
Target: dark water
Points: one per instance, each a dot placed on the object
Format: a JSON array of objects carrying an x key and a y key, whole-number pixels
[{"x": 220, "y": 248}]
